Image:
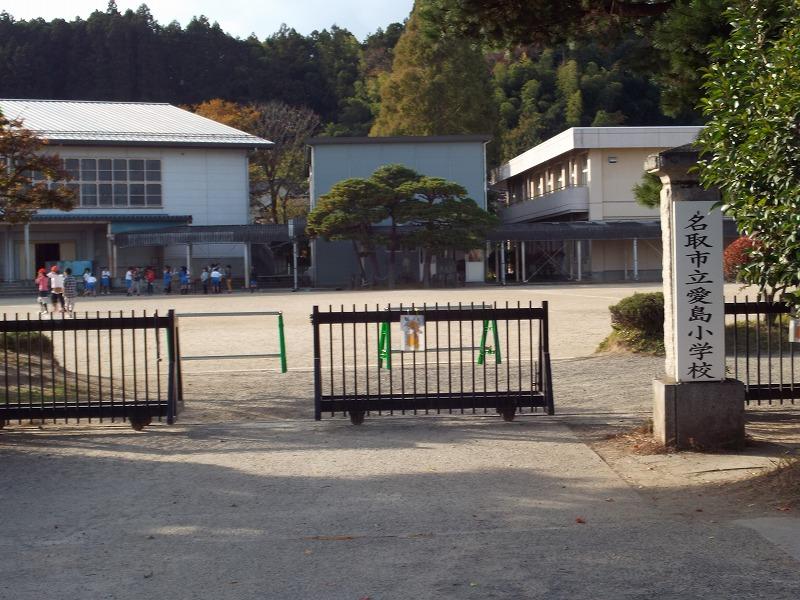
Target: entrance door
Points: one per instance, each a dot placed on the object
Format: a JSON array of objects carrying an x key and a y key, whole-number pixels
[{"x": 45, "y": 253}]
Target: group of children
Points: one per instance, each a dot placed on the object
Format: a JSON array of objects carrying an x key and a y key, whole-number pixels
[
  {"x": 218, "y": 277},
  {"x": 61, "y": 289}
]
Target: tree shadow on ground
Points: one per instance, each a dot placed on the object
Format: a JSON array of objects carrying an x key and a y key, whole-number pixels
[{"x": 380, "y": 524}]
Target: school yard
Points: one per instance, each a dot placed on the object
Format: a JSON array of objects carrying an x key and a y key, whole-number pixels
[{"x": 248, "y": 497}]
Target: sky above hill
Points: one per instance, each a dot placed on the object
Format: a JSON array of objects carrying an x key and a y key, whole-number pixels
[{"x": 237, "y": 17}]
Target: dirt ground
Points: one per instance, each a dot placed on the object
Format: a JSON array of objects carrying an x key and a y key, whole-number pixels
[{"x": 249, "y": 497}]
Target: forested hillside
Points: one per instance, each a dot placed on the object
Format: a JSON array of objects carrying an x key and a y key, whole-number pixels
[{"x": 536, "y": 90}]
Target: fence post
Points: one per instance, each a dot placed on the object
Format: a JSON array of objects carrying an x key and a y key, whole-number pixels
[
  {"x": 317, "y": 365},
  {"x": 544, "y": 366},
  {"x": 172, "y": 379},
  {"x": 282, "y": 343}
]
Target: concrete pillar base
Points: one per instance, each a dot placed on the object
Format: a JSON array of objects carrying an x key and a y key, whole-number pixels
[{"x": 702, "y": 416}]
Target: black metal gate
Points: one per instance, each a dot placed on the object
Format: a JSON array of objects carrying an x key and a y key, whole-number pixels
[
  {"x": 464, "y": 359},
  {"x": 97, "y": 366},
  {"x": 759, "y": 352}
]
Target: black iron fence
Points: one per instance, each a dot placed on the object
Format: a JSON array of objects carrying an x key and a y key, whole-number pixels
[
  {"x": 464, "y": 359},
  {"x": 100, "y": 366},
  {"x": 759, "y": 352}
]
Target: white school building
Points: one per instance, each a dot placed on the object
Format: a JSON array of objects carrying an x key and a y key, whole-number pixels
[
  {"x": 570, "y": 210},
  {"x": 135, "y": 167}
]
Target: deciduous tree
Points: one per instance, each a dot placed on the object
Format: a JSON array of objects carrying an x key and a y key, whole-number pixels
[
  {"x": 279, "y": 172},
  {"x": 21, "y": 155}
]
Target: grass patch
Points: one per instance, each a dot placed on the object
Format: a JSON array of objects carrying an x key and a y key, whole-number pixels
[{"x": 634, "y": 341}]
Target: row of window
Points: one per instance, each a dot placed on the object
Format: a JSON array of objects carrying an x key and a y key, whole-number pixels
[
  {"x": 117, "y": 182},
  {"x": 574, "y": 172}
]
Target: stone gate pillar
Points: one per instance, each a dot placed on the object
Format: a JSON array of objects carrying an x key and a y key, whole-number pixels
[{"x": 695, "y": 406}]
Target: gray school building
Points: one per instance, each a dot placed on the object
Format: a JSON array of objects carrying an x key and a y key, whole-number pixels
[{"x": 458, "y": 158}]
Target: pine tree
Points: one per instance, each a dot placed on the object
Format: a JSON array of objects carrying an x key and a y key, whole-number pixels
[{"x": 438, "y": 85}]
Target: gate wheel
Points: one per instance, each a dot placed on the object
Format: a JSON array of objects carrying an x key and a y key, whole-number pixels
[
  {"x": 357, "y": 417},
  {"x": 509, "y": 413},
  {"x": 140, "y": 422}
]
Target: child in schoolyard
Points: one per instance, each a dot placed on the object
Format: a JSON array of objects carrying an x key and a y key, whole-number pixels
[
  {"x": 56, "y": 289},
  {"x": 204, "y": 279},
  {"x": 71, "y": 291},
  {"x": 167, "y": 280},
  {"x": 183, "y": 277},
  {"x": 85, "y": 277},
  {"x": 150, "y": 278},
  {"x": 43, "y": 287},
  {"x": 229, "y": 278},
  {"x": 105, "y": 281},
  {"x": 253, "y": 280},
  {"x": 137, "y": 280},
  {"x": 91, "y": 285},
  {"x": 216, "y": 278},
  {"x": 129, "y": 281}
]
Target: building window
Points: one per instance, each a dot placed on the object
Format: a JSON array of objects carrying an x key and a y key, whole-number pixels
[
  {"x": 114, "y": 183},
  {"x": 583, "y": 170}
]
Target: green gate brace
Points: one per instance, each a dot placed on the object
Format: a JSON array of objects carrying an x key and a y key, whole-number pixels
[
  {"x": 385, "y": 344},
  {"x": 281, "y": 343},
  {"x": 491, "y": 349}
]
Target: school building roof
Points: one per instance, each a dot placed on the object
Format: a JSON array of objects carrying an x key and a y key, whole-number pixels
[{"x": 82, "y": 122}]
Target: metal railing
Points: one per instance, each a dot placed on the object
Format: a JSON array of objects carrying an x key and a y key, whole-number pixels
[
  {"x": 445, "y": 367},
  {"x": 103, "y": 366},
  {"x": 281, "y": 354},
  {"x": 759, "y": 352}
]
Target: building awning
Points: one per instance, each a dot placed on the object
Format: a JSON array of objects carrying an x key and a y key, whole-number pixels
[
  {"x": 588, "y": 230},
  {"x": 523, "y": 232},
  {"x": 119, "y": 222},
  {"x": 209, "y": 234}
]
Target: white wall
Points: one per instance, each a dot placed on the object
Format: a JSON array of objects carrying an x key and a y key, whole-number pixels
[
  {"x": 618, "y": 179},
  {"x": 211, "y": 185}
]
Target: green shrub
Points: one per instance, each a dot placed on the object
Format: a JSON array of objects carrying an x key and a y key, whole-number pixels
[
  {"x": 26, "y": 342},
  {"x": 638, "y": 323},
  {"x": 640, "y": 312}
]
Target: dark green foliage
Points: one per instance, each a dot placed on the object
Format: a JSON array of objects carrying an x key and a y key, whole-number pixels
[
  {"x": 129, "y": 56},
  {"x": 437, "y": 86},
  {"x": 752, "y": 143},
  {"x": 434, "y": 213},
  {"x": 648, "y": 191},
  {"x": 638, "y": 323},
  {"x": 540, "y": 92},
  {"x": 644, "y": 312}
]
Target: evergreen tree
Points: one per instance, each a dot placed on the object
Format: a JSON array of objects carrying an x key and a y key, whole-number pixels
[{"x": 438, "y": 85}]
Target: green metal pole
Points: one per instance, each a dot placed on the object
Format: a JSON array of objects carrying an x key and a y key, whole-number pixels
[
  {"x": 497, "y": 356},
  {"x": 282, "y": 342},
  {"x": 385, "y": 346},
  {"x": 482, "y": 352}
]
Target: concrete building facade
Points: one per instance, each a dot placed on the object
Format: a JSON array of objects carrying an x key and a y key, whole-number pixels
[{"x": 585, "y": 174}]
